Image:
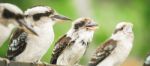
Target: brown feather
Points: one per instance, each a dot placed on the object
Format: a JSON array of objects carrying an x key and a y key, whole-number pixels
[
  {"x": 60, "y": 45},
  {"x": 17, "y": 43},
  {"x": 102, "y": 52}
]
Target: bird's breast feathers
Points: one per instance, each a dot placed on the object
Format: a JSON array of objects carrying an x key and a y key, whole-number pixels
[
  {"x": 36, "y": 46},
  {"x": 118, "y": 55},
  {"x": 72, "y": 54},
  {"x": 5, "y": 32}
]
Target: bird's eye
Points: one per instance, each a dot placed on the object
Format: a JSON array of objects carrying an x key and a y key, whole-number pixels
[
  {"x": 8, "y": 14},
  {"x": 37, "y": 17},
  {"x": 51, "y": 12},
  {"x": 120, "y": 29},
  {"x": 79, "y": 25}
]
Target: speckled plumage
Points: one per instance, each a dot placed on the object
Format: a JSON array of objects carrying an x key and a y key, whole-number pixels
[
  {"x": 115, "y": 50},
  {"x": 73, "y": 45},
  {"x": 41, "y": 19},
  {"x": 18, "y": 43},
  {"x": 35, "y": 46}
]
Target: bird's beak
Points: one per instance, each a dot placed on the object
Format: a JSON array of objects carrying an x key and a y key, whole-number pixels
[
  {"x": 92, "y": 26},
  {"x": 129, "y": 27},
  {"x": 60, "y": 18},
  {"x": 22, "y": 23}
]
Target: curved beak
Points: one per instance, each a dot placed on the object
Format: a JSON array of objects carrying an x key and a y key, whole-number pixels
[
  {"x": 60, "y": 18},
  {"x": 22, "y": 23}
]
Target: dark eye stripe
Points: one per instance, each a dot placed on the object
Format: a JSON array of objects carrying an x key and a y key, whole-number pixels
[
  {"x": 120, "y": 29},
  {"x": 8, "y": 14},
  {"x": 79, "y": 25},
  {"x": 19, "y": 16},
  {"x": 39, "y": 15}
]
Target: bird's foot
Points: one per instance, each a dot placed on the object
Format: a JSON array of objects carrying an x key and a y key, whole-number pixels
[
  {"x": 38, "y": 63},
  {"x": 5, "y": 59}
]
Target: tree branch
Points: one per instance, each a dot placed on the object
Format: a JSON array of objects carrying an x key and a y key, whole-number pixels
[{"x": 12, "y": 63}]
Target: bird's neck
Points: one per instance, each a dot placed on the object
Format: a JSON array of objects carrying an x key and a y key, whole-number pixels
[
  {"x": 7, "y": 23},
  {"x": 5, "y": 32},
  {"x": 44, "y": 29},
  {"x": 9, "y": 27},
  {"x": 81, "y": 35},
  {"x": 123, "y": 37},
  {"x": 4, "y": 22}
]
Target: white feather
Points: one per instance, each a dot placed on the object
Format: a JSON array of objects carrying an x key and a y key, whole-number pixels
[
  {"x": 11, "y": 7},
  {"x": 147, "y": 60},
  {"x": 121, "y": 52},
  {"x": 37, "y": 46},
  {"x": 35, "y": 10},
  {"x": 72, "y": 54},
  {"x": 5, "y": 32}
]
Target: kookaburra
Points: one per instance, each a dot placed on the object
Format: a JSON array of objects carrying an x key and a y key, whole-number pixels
[
  {"x": 116, "y": 49},
  {"x": 11, "y": 16},
  {"x": 147, "y": 61},
  {"x": 25, "y": 47},
  {"x": 72, "y": 46}
]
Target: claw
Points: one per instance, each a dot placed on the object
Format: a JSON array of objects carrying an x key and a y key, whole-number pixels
[
  {"x": 5, "y": 59},
  {"x": 39, "y": 63}
]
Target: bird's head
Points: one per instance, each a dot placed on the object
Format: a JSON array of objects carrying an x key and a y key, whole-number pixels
[
  {"x": 124, "y": 27},
  {"x": 85, "y": 24},
  {"x": 11, "y": 14},
  {"x": 43, "y": 14},
  {"x": 84, "y": 28}
]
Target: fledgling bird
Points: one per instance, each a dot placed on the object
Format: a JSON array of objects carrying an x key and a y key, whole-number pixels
[
  {"x": 72, "y": 46},
  {"x": 116, "y": 49},
  {"x": 25, "y": 47},
  {"x": 147, "y": 61},
  {"x": 11, "y": 16}
]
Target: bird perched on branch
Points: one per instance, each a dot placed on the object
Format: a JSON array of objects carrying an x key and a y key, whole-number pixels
[
  {"x": 11, "y": 16},
  {"x": 72, "y": 46},
  {"x": 147, "y": 61},
  {"x": 116, "y": 49},
  {"x": 25, "y": 47}
]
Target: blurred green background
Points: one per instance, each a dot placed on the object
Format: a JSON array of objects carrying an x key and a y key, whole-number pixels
[{"x": 107, "y": 13}]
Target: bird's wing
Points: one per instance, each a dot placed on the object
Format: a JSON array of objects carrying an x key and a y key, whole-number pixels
[
  {"x": 60, "y": 45},
  {"x": 17, "y": 43},
  {"x": 102, "y": 52}
]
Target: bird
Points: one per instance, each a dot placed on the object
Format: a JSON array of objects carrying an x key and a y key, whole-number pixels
[
  {"x": 11, "y": 16},
  {"x": 116, "y": 49},
  {"x": 147, "y": 61},
  {"x": 26, "y": 47},
  {"x": 70, "y": 48}
]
